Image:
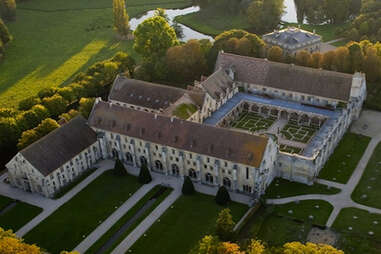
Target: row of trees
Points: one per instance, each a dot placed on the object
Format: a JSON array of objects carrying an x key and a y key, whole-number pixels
[
  {"x": 8, "y": 10},
  {"x": 11, "y": 244},
  {"x": 36, "y": 116},
  {"x": 367, "y": 25}
]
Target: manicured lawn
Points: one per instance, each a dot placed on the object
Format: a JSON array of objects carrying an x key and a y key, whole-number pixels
[
  {"x": 184, "y": 111},
  {"x": 98, "y": 244},
  {"x": 4, "y": 202},
  {"x": 77, "y": 218},
  {"x": 340, "y": 43},
  {"x": 18, "y": 216},
  {"x": 361, "y": 221},
  {"x": 328, "y": 32},
  {"x": 50, "y": 47},
  {"x": 213, "y": 22},
  {"x": 181, "y": 227},
  {"x": 373, "y": 98},
  {"x": 281, "y": 188},
  {"x": 344, "y": 160},
  {"x": 369, "y": 184}
]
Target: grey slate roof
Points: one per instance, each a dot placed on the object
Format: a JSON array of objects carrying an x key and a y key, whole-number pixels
[
  {"x": 60, "y": 146},
  {"x": 149, "y": 95},
  {"x": 291, "y": 37},
  {"x": 203, "y": 139},
  {"x": 217, "y": 83},
  {"x": 328, "y": 84}
]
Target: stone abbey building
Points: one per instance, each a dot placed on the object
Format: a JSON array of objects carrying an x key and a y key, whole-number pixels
[{"x": 248, "y": 122}]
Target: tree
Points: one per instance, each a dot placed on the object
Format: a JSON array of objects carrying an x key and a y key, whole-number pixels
[
  {"x": 8, "y": 9},
  {"x": 69, "y": 115},
  {"x": 56, "y": 104},
  {"x": 153, "y": 37},
  {"x": 328, "y": 60},
  {"x": 30, "y": 136},
  {"x": 275, "y": 54},
  {"x": 207, "y": 245},
  {"x": 225, "y": 225},
  {"x": 5, "y": 36},
  {"x": 28, "y": 103},
  {"x": 229, "y": 248},
  {"x": 85, "y": 106},
  {"x": 303, "y": 58},
  {"x": 67, "y": 93},
  {"x": 222, "y": 197},
  {"x": 27, "y": 137},
  {"x": 144, "y": 175},
  {"x": 119, "y": 168},
  {"x": 121, "y": 19},
  {"x": 316, "y": 60},
  {"x": 297, "y": 247},
  {"x": 7, "y": 112},
  {"x": 372, "y": 65},
  {"x": 356, "y": 56},
  {"x": 342, "y": 60},
  {"x": 265, "y": 15},
  {"x": 9, "y": 133},
  {"x": 188, "y": 188},
  {"x": 255, "y": 247}
]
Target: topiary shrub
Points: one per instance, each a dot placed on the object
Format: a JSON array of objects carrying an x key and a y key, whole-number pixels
[
  {"x": 188, "y": 188},
  {"x": 222, "y": 197},
  {"x": 119, "y": 168},
  {"x": 225, "y": 225},
  {"x": 144, "y": 175}
]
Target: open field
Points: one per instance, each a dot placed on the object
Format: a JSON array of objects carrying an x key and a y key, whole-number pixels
[
  {"x": 77, "y": 218},
  {"x": 281, "y": 188},
  {"x": 17, "y": 216},
  {"x": 368, "y": 190},
  {"x": 184, "y": 224},
  {"x": 345, "y": 158},
  {"x": 60, "y": 39},
  {"x": 128, "y": 216}
]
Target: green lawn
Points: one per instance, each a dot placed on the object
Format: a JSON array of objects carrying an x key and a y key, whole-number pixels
[
  {"x": 281, "y": 188},
  {"x": 358, "y": 240},
  {"x": 328, "y": 32},
  {"x": 50, "y": 47},
  {"x": 369, "y": 184},
  {"x": 344, "y": 160},
  {"x": 98, "y": 244},
  {"x": 183, "y": 225},
  {"x": 77, "y": 218},
  {"x": 184, "y": 111},
  {"x": 213, "y": 22},
  {"x": 4, "y": 202},
  {"x": 18, "y": 216}
]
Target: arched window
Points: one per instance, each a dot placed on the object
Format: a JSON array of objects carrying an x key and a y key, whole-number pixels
[
  {"x": 129, "y": 157},
  {"x": 227, "y": 183},
  {"x": 143, "y": 161},
  {"x": 158, "y": 165},
  {"x": 208, "y": 178},
  {"x": 192, "y": 173},
  {"x": 175, "y": 170}
]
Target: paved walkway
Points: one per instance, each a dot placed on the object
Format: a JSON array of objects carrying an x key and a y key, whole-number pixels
[
  {"x": 50, "y": 205},
  {"x": 342, "y": 199}
]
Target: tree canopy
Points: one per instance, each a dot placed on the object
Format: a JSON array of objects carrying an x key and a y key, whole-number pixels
[{"x": 121, "y": 19}]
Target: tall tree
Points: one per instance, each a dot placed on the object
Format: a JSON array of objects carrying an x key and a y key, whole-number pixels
[
  {"x": 8, "y": 9},
  {"x": 5, "y": 36},
  {"x": 121, "y": 19}
]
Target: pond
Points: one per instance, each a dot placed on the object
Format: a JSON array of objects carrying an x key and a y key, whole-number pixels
[
  {"x": 290, "y": 15},
  {"x": 172, "y": 14}
]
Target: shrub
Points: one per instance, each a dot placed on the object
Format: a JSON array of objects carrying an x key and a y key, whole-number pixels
[
  {"x": 188, "y": 188},
  {"x": 225, "y": 225},
  {"x": 144, "y": 175},
  {"x": 119, "y": 168},
  {"x": 222, "y": 197}
]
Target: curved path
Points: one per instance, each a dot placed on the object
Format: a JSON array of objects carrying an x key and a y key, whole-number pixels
[{"x": 342, "y": 199}]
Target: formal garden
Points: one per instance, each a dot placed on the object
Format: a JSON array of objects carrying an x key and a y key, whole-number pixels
[
  {"x": 15, "y": 214},
  {"x": 344, "y": 160},
  {"x": 181, "y": 227},
  {"x": 298, "y": 133},
  {"x": 73, "y": 221},
  {"x": 290, "y": 149},
  {"x": 253, "y": 122}
]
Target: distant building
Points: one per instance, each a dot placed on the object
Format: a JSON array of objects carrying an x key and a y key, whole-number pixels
[{"x": 293, "y": 39}]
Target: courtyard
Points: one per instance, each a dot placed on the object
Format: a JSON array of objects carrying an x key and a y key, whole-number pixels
[
  {"x": 299, "y": 133},
  {"x": 253, "y": 122}
]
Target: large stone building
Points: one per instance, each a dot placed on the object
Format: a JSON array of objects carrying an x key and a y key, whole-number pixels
[
  {"x": 293, "y": 39},
  {"x": 248, "y": 122}
]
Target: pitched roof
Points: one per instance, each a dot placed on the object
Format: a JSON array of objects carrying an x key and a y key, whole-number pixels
[
  {"x": 217, "y": 83},
  {"x": 60, "y": 146},
  {"x": 203, "y": 139},
  {"x": 288, "y": 77},
  {"x": 146, "y": 94},
  {"x": 291, "y": 37}
]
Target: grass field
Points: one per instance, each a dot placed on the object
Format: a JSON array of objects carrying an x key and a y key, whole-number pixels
[
  {"x": 281, "y": 188},
  {"x": 276, "y": 226},
  {"x": 18, "y": 216},
  {"x": 213, "y": 22},
  {"x": 77, "y": 218},
  {"x": 98, "y": 244},
  {"x": 4, "y": 202},
  {"x": 344, "y": 160},
  {"x": 58, "y": 40},
  {"x": 183, "y": 225},
  {"x": 369, "y": 184}
]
